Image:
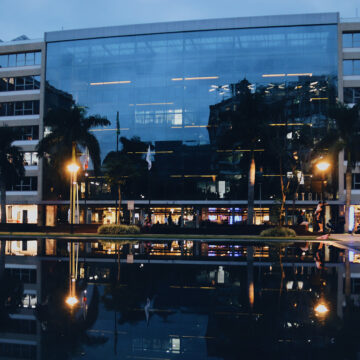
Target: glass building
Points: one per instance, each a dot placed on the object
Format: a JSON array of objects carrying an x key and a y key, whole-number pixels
[{"x": 172, "y": 83}]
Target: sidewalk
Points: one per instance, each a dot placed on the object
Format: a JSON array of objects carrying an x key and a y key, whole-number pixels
[{"x": 347, "y": 240}]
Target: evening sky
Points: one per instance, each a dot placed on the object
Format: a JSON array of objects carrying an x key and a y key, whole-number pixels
[{"x": 34, "y": 17}]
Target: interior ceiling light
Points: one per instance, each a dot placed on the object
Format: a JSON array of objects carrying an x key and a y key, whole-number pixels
[
  {"x": 160, "y": 103},
  {"x": 196, "y": 78},
  {"x": 280, "y": 75},
  {"x": 110, "y": 82}
]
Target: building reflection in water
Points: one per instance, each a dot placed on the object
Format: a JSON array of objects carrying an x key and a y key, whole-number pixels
[{"x": 193, "y": 299}]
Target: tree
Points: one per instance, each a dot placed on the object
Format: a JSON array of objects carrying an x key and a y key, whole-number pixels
[
  {"x": 70, "y": 128},
  {"x": 121, "y": 166},
  {"x": 344, "y": 135},
  {"x": 11, "y": 164},
  {"x": 248, "y": 124}
]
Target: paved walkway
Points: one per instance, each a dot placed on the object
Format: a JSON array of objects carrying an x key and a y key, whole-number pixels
[{"x": 346, "y": 241}]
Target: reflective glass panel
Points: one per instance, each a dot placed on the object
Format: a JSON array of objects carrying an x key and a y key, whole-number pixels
[{"x": 169, "y": 90}]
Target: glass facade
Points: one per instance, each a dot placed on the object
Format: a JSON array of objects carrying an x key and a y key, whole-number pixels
[{"x": 169, "y": 88}]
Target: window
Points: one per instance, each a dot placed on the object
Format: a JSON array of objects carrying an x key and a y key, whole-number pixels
[
  {"x": 351, "y": 67},
  {"x": 22, "y": 326},
  {"x": 28, "y": 183},
  {"x": 19, "y": 108},
  {"x": 351, "y": 40},
  {"x": 355, "y": 182},
  {"x": 20, "y": 83},
  {"x": 30, "y": 159},
  {"x": 29, "y": 301},
  {"x": 24, "y": 275},
  {"x": 20, "y": 59},
  {"x": 13, "y": 350},
  {"x": 352, "y": 95}
]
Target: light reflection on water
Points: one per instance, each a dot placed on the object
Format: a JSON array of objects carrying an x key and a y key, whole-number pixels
[{"x": 188, "y": 300}]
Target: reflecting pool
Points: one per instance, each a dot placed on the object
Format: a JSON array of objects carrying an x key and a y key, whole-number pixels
[{"x": 198, "y": 299}]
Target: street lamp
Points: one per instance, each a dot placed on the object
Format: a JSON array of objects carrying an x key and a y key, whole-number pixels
[
  {"x": 323, "y": 165},
  {"x": 73, "y": 169},
  {"x": 72, "y": 300},
  {"x": 321, "y": 309}
]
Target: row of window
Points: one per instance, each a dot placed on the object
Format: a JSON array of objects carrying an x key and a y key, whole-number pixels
[
  {"x": 20, "y": 59},
  {"x": 25, "y": 275},
  {"x": 19, "y": 351},
  {"x": 17, "y": 108},
  {"x": 20, "y": 83},
  {"x": 22, "y": 326},
  {"x": 351, "y": 40},
  {"x": 27, "y": 132},
  {"x": 28, "y": 183}
]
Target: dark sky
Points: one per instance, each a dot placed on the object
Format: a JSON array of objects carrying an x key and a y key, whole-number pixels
[{"x": 34, "y": 17}]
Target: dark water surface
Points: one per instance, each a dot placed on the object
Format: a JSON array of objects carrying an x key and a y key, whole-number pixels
[{"x": 171, "y": 300}]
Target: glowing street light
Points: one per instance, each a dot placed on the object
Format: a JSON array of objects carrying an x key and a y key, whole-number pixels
[
  {"x": 71, "y": 301},
  {"x": 321, "y": 309},
  {"x": 323, "y": 165},
  {"x": 73, "y": 168}
]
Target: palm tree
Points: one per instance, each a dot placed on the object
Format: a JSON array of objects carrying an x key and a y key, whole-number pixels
[
  {"x": 70, "y": 128},
  {"x": 248, "y": 126},
  {"x": 344, "y": 135},
  {"x": 118, "y": 167},
  {"x": 11, "y": 164}
]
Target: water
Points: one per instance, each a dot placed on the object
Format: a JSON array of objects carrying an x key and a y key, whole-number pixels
[{"x": 171, "y": 300}]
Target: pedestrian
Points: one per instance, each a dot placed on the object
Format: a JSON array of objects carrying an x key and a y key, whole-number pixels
[
  {"x": 319, "y": 216},
  {"x": 170, "y": 220},
  {"x": 301, "y": 220}
]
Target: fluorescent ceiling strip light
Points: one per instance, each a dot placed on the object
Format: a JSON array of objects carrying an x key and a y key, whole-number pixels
[
  {"x": 301, "y": 74},
  {"x": 121, "y": 129},
  {"x": 110, "y": 83},
  {"x": 281, "y": 75},
  {"x": 202, "y": 78},
  {"x": 196, "y": 78},
  {"x": 290, "y": 124},
  {"x": 147, "y": 104},
  {"x": 273, "y": 75}
]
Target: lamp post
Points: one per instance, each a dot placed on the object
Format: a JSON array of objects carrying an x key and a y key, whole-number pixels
[
  {"x": 73, "y": 169},
  {"x": 86, "y": 194},
  {"x": 323, "y": 165}
]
